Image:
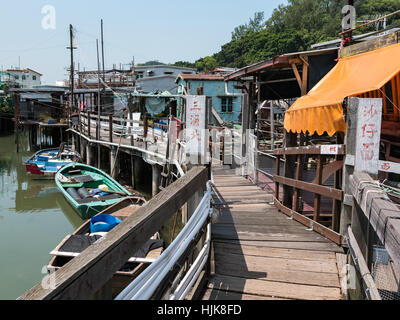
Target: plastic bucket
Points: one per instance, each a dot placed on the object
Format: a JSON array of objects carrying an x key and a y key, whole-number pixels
[{"x": 103, "y": 223}]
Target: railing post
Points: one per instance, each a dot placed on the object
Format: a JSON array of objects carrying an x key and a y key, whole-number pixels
[
  {"x": 245, "y": 127},
  {"x": 88, "y": 121},
  {"x": 272, "y": 126},
  {"x": 110, "y": 127},
  {"x": 299, "y": 173},
  {"x": 348, "y": 167},
  {"x": 337, "y": 184},
  {"x": 318, "y": 181},
  {"x": 290, "y": 141},
  {"x": 256, "y": 160},
  {"x": 278, "y": 172},
  {"x": 145, "y": 126}
]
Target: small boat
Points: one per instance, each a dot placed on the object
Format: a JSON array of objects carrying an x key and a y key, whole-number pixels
[
  {"x": 82, "y": 238},
  {"x": 88, "y": 189},
  {"x": 45, "y": 163}
]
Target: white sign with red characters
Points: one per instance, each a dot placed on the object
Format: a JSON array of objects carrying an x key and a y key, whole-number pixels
[
  {"x": 330, "y": 149},
  {"x": 369, "y": 120},
  {"x": 195, "y": 125},
  {"x": 387, "y": 166}
]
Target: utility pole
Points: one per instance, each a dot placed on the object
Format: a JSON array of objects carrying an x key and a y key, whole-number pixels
[
  {"x": 103, "y": 63},
  {"x": 98, "y": 105},
  {"x": 102, "y": 50},
  {"x": 71, "y": 48},
  {"x": 104, "y": 87}
]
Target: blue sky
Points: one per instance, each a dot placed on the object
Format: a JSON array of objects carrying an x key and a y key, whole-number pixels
[{"x": 167, "y": 31}]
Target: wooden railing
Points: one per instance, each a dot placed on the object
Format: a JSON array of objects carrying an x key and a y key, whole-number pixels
[
  {"x": 92, "y": 270},
  {"x": 375, "y": 225},
  {"x": 291, "y": 200}
]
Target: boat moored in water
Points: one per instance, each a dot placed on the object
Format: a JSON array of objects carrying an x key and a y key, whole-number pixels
[
  {"x": 44, "y": 164},
  {"x": 88, "y": 189}
]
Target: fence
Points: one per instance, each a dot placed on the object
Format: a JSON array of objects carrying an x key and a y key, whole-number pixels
[{"x": 291, "y": 202}]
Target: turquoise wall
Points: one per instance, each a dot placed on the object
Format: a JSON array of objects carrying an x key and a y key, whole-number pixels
[{"x": 216, "y": 90}]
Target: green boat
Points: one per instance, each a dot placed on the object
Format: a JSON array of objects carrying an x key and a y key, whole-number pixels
[{"x": 88, "y": 189}]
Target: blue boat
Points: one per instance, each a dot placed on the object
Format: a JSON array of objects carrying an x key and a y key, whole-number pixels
[{"x": 44, "y": 164}]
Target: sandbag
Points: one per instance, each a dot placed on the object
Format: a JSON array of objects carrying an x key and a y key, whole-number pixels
[
  {"x": 83, "y": 193},
  {"x": 74, "y": 194}
]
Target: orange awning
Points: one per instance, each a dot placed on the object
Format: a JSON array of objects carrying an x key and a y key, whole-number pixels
[{"x": 321, "y": 109}]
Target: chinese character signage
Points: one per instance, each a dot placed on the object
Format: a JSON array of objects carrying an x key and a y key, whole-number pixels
[
  {"x": 330, "y": 149},
  {"x": 196, "y": 125},
  {"x": 368, "y": 135}
]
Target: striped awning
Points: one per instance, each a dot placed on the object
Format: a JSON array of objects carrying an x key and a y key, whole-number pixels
[{"x": 321, "y": 109}]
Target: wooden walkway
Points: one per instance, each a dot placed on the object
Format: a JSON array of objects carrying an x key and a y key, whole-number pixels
[{"x": 259, "y": 254}]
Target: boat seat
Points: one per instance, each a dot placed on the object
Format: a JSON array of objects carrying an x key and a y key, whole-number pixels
[
  {"x": 104, "y": 198},
  {"x": 83, "y": 178},
  {"x": 78, "y": 243}
]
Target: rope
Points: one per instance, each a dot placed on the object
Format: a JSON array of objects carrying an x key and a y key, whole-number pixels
[{"x": 383, "y": 189}]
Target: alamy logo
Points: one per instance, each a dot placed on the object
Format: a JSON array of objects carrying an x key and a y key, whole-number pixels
[
  {"x": 49, "y": 19},
  {"x": 49, "y": 280},
  {"x": 349, "y": 17}
]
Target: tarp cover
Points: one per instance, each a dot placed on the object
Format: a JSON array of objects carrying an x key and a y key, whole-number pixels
[{"x": 321, "y": 109}]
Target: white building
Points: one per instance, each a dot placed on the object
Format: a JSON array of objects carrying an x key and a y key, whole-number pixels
[
  {"x": 26, "y": 78},
  {"x": 159, "y": 77}
]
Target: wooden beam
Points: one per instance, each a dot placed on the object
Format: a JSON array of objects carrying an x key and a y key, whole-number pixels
[
  {"x": 297, "y": 74},
  {"x": 87, "y": 273},
  {"x": 278, "y": 171},
  {"x": 317, "y": 227},
  {"x": 304, "y": 86},
  {"x": 329, "y": 170},
  {"x": 110, "y": 128},
  {"x": 320, "y": 190},
  {"x": 299, "y": 173},
  {"x": 304, "y": 60},
  {"x": 318, "y": 181},
  {"x": 295, "y": 61},
  {"x": 89, "y": 116},
  {"x": 370, "y": 45},
  {"x": 290, "y": 141},
  {"x": 338, "y": 149},
  {"x": 217, "y": 117}
]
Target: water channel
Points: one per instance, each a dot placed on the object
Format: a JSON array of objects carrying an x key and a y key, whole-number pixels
[{"x": 34, "y": 218}]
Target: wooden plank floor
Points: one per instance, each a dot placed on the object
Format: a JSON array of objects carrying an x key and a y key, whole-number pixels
[{"x": 259, "y": 254}]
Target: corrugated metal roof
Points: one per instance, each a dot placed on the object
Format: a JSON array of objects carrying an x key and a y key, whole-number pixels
[
  {"x": 280, "y": 61},
  {"x": 202, "y": 76}
]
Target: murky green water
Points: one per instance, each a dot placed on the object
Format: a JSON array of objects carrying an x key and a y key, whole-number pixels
[{"x": 34, "y": 218}]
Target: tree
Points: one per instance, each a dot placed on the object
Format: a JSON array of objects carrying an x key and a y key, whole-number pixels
[
  {"x": 151, "y": 63},
  {"x": 206, "y": 64},
  {"x": 255, "y": 25},
  {"x": 291, "y": 28},
  {"x": 6, "y": 106},
  {"x": 185, "y": 64}
]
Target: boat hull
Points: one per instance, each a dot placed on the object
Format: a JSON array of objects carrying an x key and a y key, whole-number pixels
[
  {"x": 44, "y": 164},
  {"x": 35, "y": 173},
  {"x": 90, "y": 206}
]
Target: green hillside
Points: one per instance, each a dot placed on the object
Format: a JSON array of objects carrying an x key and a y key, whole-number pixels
[{"x": 292, "y": 27}]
